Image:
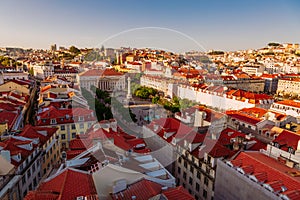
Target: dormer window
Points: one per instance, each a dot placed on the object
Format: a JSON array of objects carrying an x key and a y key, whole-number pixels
[
  {"x": 186, "y": 144},
  {"x": 67, "y": 116},
  {"x": 276, "y": 145},
  {"x": 81, "y": 118},
  {"x": 291, "y": 150},
  {"x": 44, "y": 120},
  {"x": 53, "y": 121}
]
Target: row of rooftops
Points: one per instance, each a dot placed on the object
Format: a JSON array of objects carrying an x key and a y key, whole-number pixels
[
  {"x": 63, "y": 186},
  {"x": 269, "y": 173},
  {"x": 104, "y": 131},
  {"x": 52, "y": 115},
  {"x": 21, "y": 145},
  {"x": 98, "y": 161},
  {"x": 11, "y": 104},
  {"x": 177, "y": 133},
  {"x": 238, "y": 94}
]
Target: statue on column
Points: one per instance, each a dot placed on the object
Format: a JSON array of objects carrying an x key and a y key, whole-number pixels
[{"x": 129, "y": 95}]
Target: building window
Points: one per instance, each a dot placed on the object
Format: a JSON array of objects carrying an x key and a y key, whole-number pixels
[
  {"x": 205, "y": 194},
  {"x": 34, "y": 182},
  {"x": 190, "y": 191},
  {"x": 185, "y": 164},
  {"x": 198, "y": 174},
  {"x": 73, "y": 126},
  {"x": 81, "y": 118},
  {"x": 23, "y": 179},
  {"x": 28, "y": 174},
  {"x": 81, "y": 125},
  {"x": 291, "y": 150},
  {"x": 196, "y": 197},
  {"x": 30, "y": 187},
  {"x": 208, "y": 159},
  {"x": 179, "y": 159},
  {"x": 183, "y": 185},
  {"x": 205, "y": 180},
  {"x": 197, "y": 187},
  {"x": 179, "y": 170},
  {"x": 73, "y": 135},
  {"x": 62, "y": 127},
  {"x": 184, "y": 175},
  {"x": 191, "y": 181},
  {"x": 192, "y": 169},
  {"x": 63, "y": 136},
  {"x": 178, "y": 181}
]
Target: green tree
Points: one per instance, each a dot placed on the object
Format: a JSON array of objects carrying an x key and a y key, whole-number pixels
[
  {"x": 74, "y": 50},
  {"x": 274, "y": 44},
  {"x": 155, "y": 100},
  {"x": 31, "y": 72}
]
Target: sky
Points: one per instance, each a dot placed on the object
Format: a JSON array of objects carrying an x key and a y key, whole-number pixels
[{"x": 165, "y": 24}]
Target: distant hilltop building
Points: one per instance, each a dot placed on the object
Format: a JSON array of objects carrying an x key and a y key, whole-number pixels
[{"x": 53, "y": 47}]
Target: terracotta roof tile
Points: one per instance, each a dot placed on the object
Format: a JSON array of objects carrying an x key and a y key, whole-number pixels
[
  {"x": 276, "y": 173},
  {"x": 68, "y": 184},
  {"x": 177, "y": 193},
  {"x": 143, "y": 189}
]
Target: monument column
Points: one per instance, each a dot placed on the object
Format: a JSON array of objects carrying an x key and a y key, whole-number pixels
[{"x": 129, "y": 96}]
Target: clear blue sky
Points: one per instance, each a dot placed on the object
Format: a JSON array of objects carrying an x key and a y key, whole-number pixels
[{"x": 224, "y": 25}]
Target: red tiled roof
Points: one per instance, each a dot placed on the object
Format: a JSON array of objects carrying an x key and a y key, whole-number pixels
[
  {"x": 128, "y": 142},
  {"x": 171, "y": 125},
  {"x": 242, "y": 117},
  {"x": 287, "y": 139},
  {"x": 292, "y": 195},
  {"x": 228, "y": 134},
  {"x": 11, "y": 145},
  {"x": 177, "y": 193},
  {"x": 8, "y": 106},
  {"x": 219, "y": 151},
  {"x": 26, "y": 83},
  {"x": 276, "y": 172},
  {"x": 248, "y": 95},
  {"x": 33, "y": 195},
  {"x": 9, "y": 117},
  {"x": 79, "y": 144},
  {"x": 60, "y": 115},
  {"x": 143, "y": 189},
  {"x": 33, "y": 132},
  {"x": 291, "y": 103},
  {"x": 101, "y": 134},
  {"x": 68, "y": 184},
  {"x": 73, "y": 153}
]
